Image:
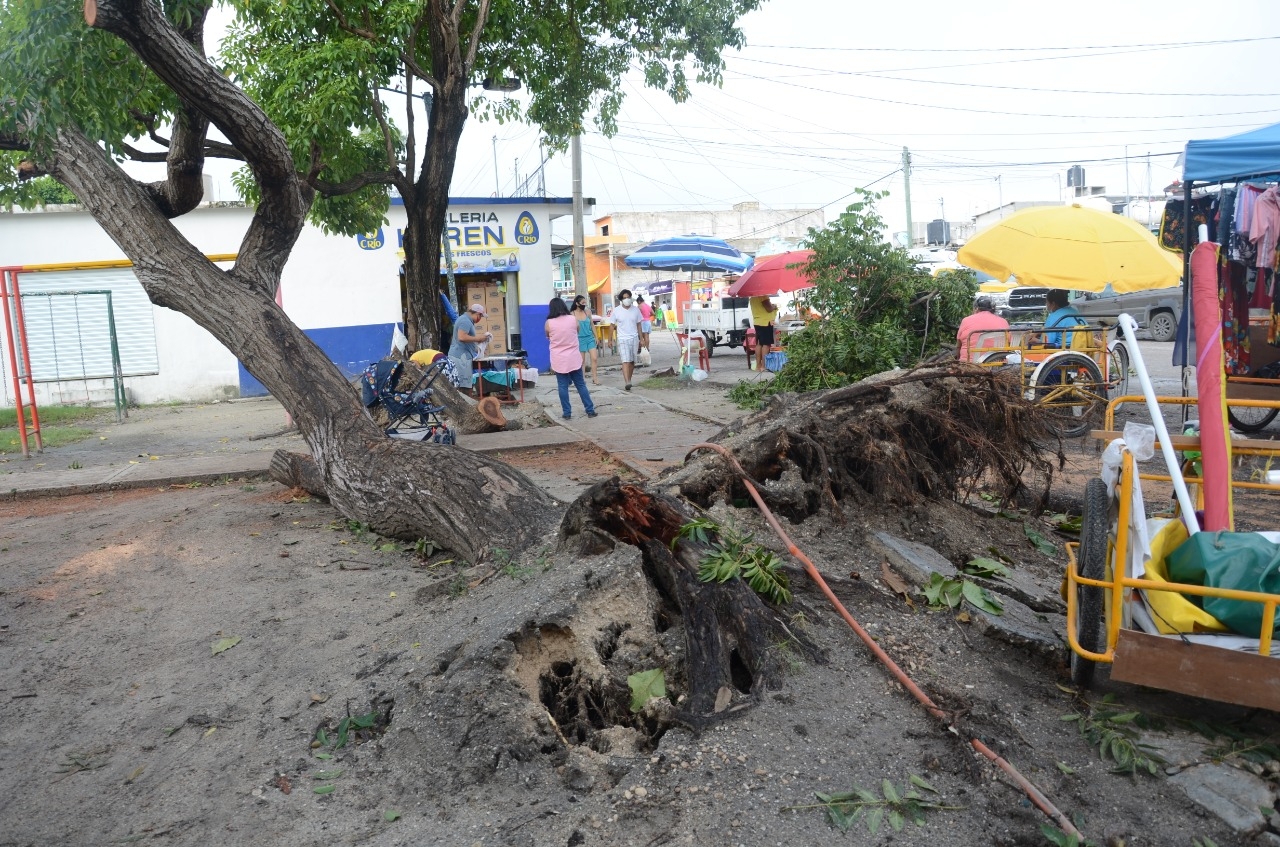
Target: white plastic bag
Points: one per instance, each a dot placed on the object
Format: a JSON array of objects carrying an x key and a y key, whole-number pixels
[
  {"x": 698, "y": 375},
  {"x": 644, "y": 360},
  {"x": 1141, "y": 439},
  {"x": 399, "y": 342}
]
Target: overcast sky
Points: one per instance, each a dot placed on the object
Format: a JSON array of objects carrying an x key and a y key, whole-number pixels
[{"x": 995, "y": 99}]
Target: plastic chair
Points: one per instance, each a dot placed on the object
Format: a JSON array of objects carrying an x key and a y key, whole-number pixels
[{"x": 686, "y": 350}]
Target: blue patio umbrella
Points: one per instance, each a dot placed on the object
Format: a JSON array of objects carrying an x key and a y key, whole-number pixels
[{"x": 689, "y": 253}]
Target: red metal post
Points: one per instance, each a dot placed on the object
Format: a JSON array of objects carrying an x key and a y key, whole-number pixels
[
  {"x": 13, "y": 359},
  {"x": 26, "y": 362}
]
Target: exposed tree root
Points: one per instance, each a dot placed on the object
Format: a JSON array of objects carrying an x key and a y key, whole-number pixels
[
  {"x": 901, "y": 437},
  {"x": 732, "y": 636}
]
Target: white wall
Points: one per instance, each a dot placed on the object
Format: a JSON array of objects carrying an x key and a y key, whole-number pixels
[{"x": 330, "y": 282}]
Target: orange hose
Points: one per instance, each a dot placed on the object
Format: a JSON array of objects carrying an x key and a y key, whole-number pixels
[{"x": 1035, "y": 794}]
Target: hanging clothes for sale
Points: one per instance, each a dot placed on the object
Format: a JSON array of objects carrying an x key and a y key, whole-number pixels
[
  {"x": 1203, "y": 211},
  {"x": 1234, "y": 294},
  {"x": 1264, "y": 229}
]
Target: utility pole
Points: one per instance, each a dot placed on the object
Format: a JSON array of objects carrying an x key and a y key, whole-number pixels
[
  {"x": 906, "y": 184},
  {"x": 497, "y": 184},
  {"x": 1000, "y": 194},
  {"x": 1126, "y": 180},
  {"x": 579, "y": 249}
]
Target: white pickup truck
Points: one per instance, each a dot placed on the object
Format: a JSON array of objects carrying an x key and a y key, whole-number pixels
[{"x": 719, "y": 324}]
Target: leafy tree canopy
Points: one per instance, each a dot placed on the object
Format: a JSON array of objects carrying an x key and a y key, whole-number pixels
[
  {"x": 881, "y": 311},
  {"x": 323, "y": 70}
]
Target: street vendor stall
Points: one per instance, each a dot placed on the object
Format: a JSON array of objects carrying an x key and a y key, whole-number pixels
[{"x": 1232, "y": 187}]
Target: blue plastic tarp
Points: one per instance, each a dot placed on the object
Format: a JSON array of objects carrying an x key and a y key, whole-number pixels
[{"x": 1253, "y": 153}]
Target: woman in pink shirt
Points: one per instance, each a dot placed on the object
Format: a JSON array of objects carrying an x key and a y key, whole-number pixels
[
  {"x": 566, "y": 358},
  {"x": 973, "y": 328},
  {"x": 646, "y": 321}
]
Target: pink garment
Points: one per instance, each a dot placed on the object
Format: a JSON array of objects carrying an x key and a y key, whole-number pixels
[
  {"x": 563, "y": 334},
  {"x": 1246, "y": 202},
  {"x": 1265, "y": 227},
  {"x": 1215, "y": 438},
  {"x": 979, "y": 322},
  {"x": 646, "y": 311}
]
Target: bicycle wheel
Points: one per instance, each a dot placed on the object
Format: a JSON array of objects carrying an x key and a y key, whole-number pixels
[
  {"x": 1071, "y": 387},
  {"x": 1091, "y": 563},
  {"x": 1251, "y": 418},
  {"x": 1118, "y": 371}
]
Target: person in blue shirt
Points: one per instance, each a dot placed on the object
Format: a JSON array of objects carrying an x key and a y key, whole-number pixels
[{"x": 1061, "y": 314}]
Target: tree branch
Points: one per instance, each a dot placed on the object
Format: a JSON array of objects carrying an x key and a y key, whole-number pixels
[
  {"x": 482, "y": 17},
  {"x": 337, "y": 189},
  {"x": 387, "y": 137},
  {"x": 285, "y": 199},
  {"x": 346, "y": 26},
  {"x": 13, "y": 141},
  {"x": 143, "y": 156}
]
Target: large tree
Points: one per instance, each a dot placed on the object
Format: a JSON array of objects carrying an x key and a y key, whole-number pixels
[
  {"x": 340, "y": 77},
  {"x": 75, "y": 100}
]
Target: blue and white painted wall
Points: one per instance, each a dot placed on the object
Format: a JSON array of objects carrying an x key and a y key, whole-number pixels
[{"x": 343, "y": 291}]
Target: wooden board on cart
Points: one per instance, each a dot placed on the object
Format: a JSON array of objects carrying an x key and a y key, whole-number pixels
[{"x": 1214, "y": 673}]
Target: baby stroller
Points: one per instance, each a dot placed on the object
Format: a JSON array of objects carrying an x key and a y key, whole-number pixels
[{"x": 410, "y": 414}]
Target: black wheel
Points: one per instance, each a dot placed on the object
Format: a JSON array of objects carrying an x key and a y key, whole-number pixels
[
  {"x": 1251, "y": 418},
  {"x": 1163, "y": 326},
  {"x": 1118, "y": 371},
  {"x": 1091, "y": 563},
  {"x": 1072, "y": 388}
]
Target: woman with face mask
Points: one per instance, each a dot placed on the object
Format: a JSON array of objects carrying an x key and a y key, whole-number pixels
[{"x": 586, "y": 335}]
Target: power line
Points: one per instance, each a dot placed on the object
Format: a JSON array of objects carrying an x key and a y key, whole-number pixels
[
  {"x": 880, "y": 75},
  {"x": 998, "y": 112},
  {"x": 1154, "y": 45}
]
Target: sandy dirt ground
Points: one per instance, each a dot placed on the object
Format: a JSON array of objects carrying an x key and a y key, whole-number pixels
[{"x": 179, "y": 665}]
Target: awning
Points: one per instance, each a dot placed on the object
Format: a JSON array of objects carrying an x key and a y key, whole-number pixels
[{"x": 596, "y": 286}]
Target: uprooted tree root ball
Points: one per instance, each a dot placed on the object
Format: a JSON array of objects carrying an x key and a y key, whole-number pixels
[{"x": 900, "y": 437}]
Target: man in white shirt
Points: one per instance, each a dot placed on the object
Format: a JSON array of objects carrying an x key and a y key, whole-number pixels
[{"x": 626, "y": 317}]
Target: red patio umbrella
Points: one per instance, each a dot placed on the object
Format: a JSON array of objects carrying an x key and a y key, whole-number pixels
[{"x": 770, "y": 275}]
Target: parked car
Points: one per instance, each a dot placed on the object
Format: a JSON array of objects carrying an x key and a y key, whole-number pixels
[
  {"x": 1024, "y": 304},
  {"x": 1157, "y": 310}
]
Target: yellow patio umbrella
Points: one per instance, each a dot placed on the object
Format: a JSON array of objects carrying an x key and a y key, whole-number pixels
[{"x": 1072, "y": 247}]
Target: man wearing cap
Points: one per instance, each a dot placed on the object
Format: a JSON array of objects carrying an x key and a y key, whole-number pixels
[
  {"x": 466, "y": 342},
  {"x": 983, "y": 319}
]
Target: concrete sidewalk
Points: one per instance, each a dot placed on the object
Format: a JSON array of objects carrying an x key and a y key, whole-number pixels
[{"x": 648, "y": 429}]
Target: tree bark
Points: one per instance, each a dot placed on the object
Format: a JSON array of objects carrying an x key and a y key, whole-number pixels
[
  {"x": 427, "y": 205},
  {"x": 461, "y": 500}
]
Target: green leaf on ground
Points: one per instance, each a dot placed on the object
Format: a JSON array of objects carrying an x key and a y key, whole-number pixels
[
  {"x": 222, "y": 645},
  {"x": 645, "y": 686},
  {"x": 323, "y": 789},
  {"x": 983, "y": 566},
  {"x": 1039, "y": 541},
  {"x": 390, "y": 815},
  {"x": 981, "y": 598}
]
